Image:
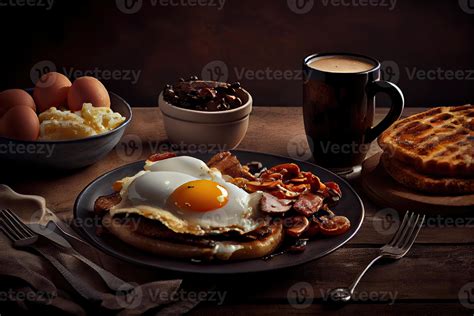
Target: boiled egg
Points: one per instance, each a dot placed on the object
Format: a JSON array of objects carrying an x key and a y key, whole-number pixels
[
  {"x": 20, "y": 123},
  {"x": 87, "y": 90},
  {"x": 15, "y": 97},
  {"x": 51, "y": 90}
]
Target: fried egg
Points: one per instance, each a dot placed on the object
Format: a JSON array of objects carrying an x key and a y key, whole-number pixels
[
  {"x": 184, "y": 164},
  {"x": 188, "y": 197}
]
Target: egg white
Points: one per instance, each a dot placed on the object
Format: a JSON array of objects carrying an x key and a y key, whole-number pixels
[
  {"x": 184, "y": 164},
  {"x": 147, "y": 194}
]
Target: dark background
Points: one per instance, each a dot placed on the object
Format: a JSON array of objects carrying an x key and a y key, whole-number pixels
[{"x": 164, "y": 42}]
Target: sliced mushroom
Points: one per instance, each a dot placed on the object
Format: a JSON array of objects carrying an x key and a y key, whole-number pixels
[{"x": 297, "y": 226}]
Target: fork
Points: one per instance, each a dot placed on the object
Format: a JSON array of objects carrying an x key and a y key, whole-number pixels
[
  {"x": 24, "y": 237},
  {"x": 396, "y": 249}
]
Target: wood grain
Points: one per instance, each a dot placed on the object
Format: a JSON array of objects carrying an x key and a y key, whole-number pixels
[
  {"x": 264, "y": 309},
  {"x": 427, "y": 280},
  {"x": 379, "y": 186}
]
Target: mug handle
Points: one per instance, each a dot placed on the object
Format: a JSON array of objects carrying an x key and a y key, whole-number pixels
[{"x": 396, "y": 109}]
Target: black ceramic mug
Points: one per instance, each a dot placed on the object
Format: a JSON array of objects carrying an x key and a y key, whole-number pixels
[{"x": 338, "y": 107}]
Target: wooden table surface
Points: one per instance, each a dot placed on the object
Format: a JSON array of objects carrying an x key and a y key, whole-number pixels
[{"x": 427, "y": 281}]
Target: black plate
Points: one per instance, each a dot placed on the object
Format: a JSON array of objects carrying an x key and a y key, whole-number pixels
[{"x": 350, "y": 206}]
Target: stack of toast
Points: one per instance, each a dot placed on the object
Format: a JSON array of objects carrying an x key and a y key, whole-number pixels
[{"x": 432, "y": 151}]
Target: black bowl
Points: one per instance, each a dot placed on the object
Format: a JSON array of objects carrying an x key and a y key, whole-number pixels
[{"x": 67, "y": 154}]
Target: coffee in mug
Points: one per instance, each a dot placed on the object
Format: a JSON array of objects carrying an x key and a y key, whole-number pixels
[
  {"x": 338, "y": 107},
  {"x": 341, "y": 64}
]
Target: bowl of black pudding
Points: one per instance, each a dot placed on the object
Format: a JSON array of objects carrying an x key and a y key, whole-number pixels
[{"x": 208, "y": 114}]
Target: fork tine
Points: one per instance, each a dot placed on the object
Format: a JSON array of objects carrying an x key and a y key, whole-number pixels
[
  {"x": 7, "y": 231},
  {"x": 8, "y": 224},
  {"x": 23, "y": 230},
  {"x": 20, "y": 223},
  {"x": 410, "y": 241},
  {"x": 400, "y": 229},
  {"x": 409, "y": 231},
  {"x": 403, "y": 235}
]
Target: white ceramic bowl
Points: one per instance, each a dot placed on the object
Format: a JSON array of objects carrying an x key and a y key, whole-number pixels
[{"x": 221, "y": 130}]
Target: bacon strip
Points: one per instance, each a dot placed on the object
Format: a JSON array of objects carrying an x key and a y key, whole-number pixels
[
  {"x": 161, "y": 156},
  {"x": 229, "y": 165},
  {"x": 308, "y": 204},
  {"x": 272, "y": 204}
]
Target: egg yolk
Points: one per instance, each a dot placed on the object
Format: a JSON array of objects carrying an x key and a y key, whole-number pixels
[{"x": 199, "y": 196}]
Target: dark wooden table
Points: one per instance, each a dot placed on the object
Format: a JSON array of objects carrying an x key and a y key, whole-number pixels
[{"x": 427, "y": 281}]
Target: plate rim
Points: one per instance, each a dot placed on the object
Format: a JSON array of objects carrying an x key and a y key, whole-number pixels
[{"x": 82, "y": 231}]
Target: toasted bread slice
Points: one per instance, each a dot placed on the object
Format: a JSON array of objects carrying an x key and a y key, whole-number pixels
[
  {"x": 149, "y": 240},
  {"x": 437, "y": 142},
  {"x": 411, "y": 178}
]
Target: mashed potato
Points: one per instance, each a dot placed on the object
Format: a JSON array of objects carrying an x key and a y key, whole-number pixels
[{"x": 58, "y": 124}]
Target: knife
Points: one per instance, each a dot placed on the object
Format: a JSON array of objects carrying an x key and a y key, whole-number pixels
[
  {"x": 114, "y": 283},
  {"x": 49, "y": 233}
]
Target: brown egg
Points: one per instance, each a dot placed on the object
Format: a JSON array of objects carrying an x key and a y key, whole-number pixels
[
  {"x": 15, "y": 97},
  {"x": 20, "y": 123},
  {"x": 51, "y": 90},
  {"x": 87, "y": 90}
]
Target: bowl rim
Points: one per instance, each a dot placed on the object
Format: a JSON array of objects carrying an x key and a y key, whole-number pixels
[
  {"x": 209, "y": 113},
  {"x": 78, "y": 140},
  {"x": 246, "y": 117}
]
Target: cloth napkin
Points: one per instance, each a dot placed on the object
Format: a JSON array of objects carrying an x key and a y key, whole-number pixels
[{"x": 30, "y": 282}]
